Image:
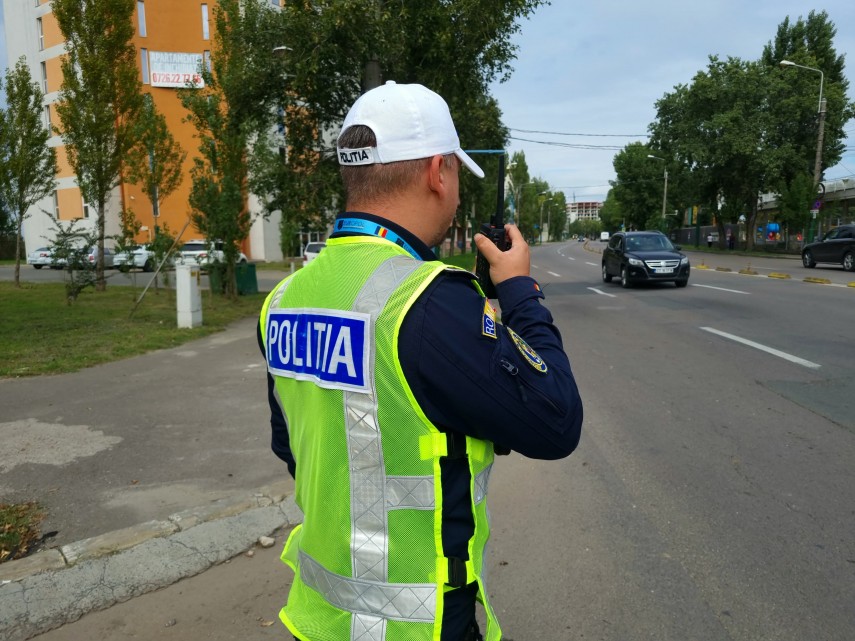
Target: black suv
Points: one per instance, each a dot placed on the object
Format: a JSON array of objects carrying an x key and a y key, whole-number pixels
[
  {"x": 837, "y": 246},
  {"x": 644, "y": 256}
]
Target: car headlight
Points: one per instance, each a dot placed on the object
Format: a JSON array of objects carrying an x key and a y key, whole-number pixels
[
  {"x": 684, "y": 260},
  {"x": 635, "y": 262}
]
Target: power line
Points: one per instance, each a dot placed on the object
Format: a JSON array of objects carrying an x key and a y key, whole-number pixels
[
  {"x": 560, "y": 133},
  {"x": 569, "y": 145}
]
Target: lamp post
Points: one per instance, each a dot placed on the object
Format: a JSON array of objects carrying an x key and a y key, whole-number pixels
[
  {"x": 665, "y": 190},
  {"x": 817, "y": 165}
]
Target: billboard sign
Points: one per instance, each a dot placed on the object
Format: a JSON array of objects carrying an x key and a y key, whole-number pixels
[{"x": 175, "y": 69}]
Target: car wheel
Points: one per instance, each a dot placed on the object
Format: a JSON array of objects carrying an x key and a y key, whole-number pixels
[
  {"x": 38, "y": 266},
  {"x": 607, "y": 278},
  {"x": 849, "y": 262},
  {"x": 148, "y": 266},
  {"x": 624, "y": 277},
  {"x": 807, "y": 259},
  {"x": 682, "y": 282}
]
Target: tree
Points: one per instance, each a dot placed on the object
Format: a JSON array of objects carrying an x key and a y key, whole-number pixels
[
  {"x": 611, "y": 213},
  {"x": 156, "y": 160},
  {"x": 100, "y": 99},
  {"x": 717, "y": 132},
  {"x": 637, "y": 191},
  {"x": 808, "y": 42},
  {"x": 28, "y": 164},
  {"x": 409, "y": 41},
  {"x": 232, "y": 113}
]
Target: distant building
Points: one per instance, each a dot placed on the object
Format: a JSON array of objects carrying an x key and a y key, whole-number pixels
[
  {"x": 589, "y": 210},
  {"x": 173, "y": 37}
]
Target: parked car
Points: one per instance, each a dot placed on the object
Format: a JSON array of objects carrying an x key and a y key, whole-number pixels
[
  {"x": 41, "y": 257},
  {"x": 644, "y": 256},
  {"x": 91, "y": 257},
  {"x": 837, "y": 246},
  {"x": 200, "y": 252},
  {"x": 135, "y": 257},
  {"x": 311, "y": 251}
]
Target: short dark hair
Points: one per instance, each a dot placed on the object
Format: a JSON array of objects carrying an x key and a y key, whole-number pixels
[{"x": 365, "y": 183}]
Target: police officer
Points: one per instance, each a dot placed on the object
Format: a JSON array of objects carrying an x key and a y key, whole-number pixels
[{"x": 392, "y": 383}]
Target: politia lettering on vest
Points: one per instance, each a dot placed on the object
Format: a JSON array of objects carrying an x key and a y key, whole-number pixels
[{"x": 327, "y": 347}]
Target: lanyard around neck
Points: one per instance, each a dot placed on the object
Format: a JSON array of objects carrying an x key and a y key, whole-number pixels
[{"x": 362, "y": 226}]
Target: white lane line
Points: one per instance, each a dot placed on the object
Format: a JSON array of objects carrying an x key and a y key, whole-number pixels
[
  {"x": 601, "y": 293},
  {"x": 570, "y": 257},
  {"x": 764, "y": 348},
  {"x": 721, "y": 289},
  {"x": 591, "y": 264},
  {"x": 554, "y": 274},
  {"x": 535, "y": 266}
]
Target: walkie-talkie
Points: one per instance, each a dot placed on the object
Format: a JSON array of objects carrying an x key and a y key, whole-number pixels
[{"x": 495, "y": 231}]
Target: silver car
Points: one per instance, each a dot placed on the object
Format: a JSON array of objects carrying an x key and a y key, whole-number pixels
[{"x": 41, "y": 257}]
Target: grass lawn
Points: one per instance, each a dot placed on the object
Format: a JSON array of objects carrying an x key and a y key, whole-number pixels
[{"x": 41, "y": 334}]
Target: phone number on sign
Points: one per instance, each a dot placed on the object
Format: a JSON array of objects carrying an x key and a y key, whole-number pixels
[{"x": 176, "y": 78}]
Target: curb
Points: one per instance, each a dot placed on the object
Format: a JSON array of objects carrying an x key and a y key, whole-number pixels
[{"x": 58, "y": 586}]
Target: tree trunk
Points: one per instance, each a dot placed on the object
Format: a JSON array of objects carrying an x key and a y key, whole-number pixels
[{"x": 100, "y": 282}]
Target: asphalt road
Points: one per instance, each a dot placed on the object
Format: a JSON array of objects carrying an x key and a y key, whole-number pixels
[{"x": 711, "y": 496}]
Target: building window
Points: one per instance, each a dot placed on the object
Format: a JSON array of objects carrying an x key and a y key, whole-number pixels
[
  {"x": 56, "y": 203},
  {"x": 41, "y": 34},
  {"x": 144, "y": 65},
  {"x": 47, "y": 117},
  {"x": 206, "y": 60},
  {"x": 44, "y": 77},
  {"x": 141, "y": 17},
  {"x": 275, "y": 3},
  {"x": 206, "y": 33},
  {"x": 87, "y": 208}
]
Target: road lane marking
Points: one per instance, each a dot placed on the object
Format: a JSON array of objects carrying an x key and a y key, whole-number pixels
[
  {"x": 601, "y": 293},
  {"x": 554, "y": 274},
  {"x": 721, "y": 289},
  {"x": 764, "y": 348},
  {"x": 591, "y": 264}
]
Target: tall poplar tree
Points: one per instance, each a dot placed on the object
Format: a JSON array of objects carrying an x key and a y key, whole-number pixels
[
  {"x": 100, "y": 99},
  {"x": 27, "y": 164}
]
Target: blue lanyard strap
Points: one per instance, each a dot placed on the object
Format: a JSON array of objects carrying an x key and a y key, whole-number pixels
[{"x": 373, "y": 229}]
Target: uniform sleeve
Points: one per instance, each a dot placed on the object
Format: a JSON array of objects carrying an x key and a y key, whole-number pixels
[
  {"x": 280, "y": 443},
  {"x": 514, "y": 388}
]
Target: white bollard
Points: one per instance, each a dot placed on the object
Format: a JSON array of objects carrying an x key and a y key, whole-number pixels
[{"x": 188, "y": 295}]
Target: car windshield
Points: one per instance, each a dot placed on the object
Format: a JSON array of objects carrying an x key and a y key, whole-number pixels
[
  {"x": 648, "y": 243},
  {"x": 315, "y": 247}
]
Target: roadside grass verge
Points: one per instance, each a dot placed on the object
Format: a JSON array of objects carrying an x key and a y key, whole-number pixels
[
  {"x": 41, "y": 334},
  {"x": 19, "y": 529}
]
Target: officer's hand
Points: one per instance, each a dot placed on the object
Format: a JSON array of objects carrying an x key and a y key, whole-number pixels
[{"x": 504, "y": 265}]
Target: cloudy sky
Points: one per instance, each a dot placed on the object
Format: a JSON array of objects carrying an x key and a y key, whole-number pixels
[{"x": 599, "y": 67}]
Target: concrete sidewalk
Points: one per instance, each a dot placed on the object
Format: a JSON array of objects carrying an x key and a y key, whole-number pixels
[{"x": 150, "y": 469}]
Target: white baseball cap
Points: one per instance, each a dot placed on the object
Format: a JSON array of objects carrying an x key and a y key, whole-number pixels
[{"x": 409, "y": 122}]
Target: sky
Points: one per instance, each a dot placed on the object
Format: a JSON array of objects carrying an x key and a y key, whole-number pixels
[{"x": 598, "y": 68}]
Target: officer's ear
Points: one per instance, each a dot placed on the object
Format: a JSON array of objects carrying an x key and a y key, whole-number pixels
[{"x": 437, "y": 176}]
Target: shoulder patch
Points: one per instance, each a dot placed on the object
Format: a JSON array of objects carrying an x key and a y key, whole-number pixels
[
  {"x": 528, "y": 353},
  {"x": 488, "y": 321}
]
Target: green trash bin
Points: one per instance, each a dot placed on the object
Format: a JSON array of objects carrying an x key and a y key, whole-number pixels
[
  {"x": 247, "y": 281},
  {"x": 217, "y": 278}
]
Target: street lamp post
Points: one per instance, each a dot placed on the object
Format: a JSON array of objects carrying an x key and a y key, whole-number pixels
[
  {"x": 665, "y": 190},
  {"x": 817, "y": 165},
  {"x": 541, "y": 217}
]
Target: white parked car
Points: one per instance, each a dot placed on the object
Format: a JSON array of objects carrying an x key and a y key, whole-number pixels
[
  {"x": 137, "y": 257},
  {"x": 311, "y": 252},
  {"x": 199, "y": 252},
  {"x": 41, "y": 257}
]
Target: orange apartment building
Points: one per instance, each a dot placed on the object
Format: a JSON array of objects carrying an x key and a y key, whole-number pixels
[{"x": 172, "y": 38}]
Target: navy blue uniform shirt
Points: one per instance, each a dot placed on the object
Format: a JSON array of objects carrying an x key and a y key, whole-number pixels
[{"x": 471, "y": 383}]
